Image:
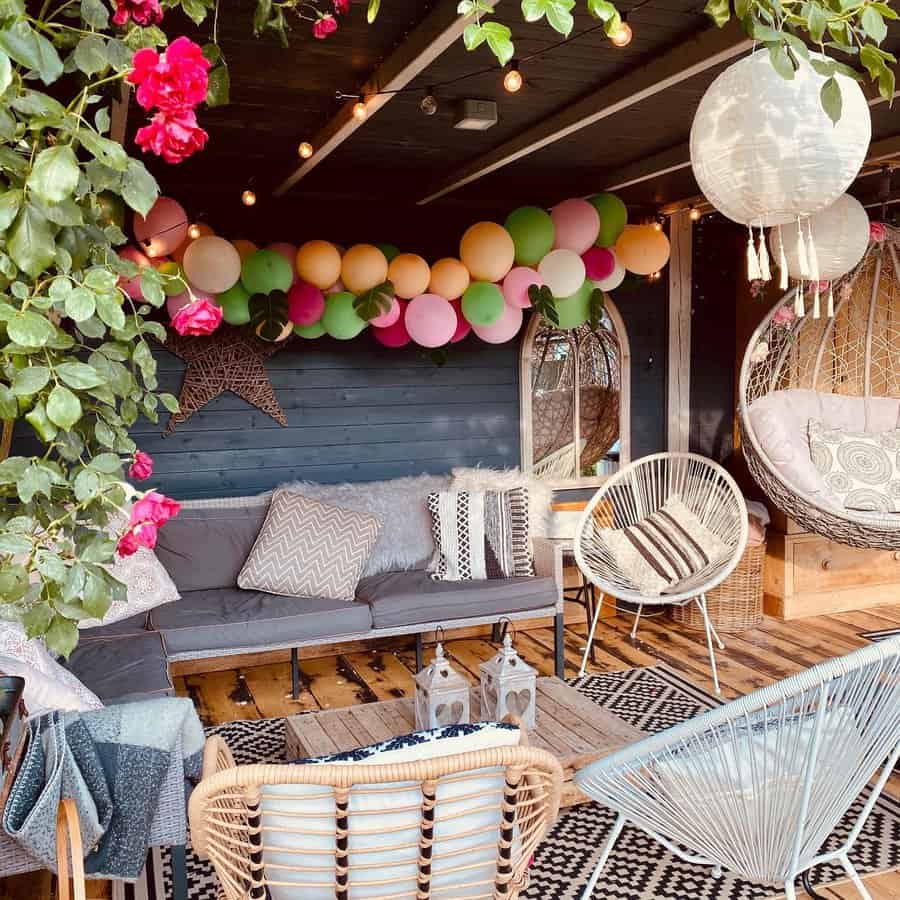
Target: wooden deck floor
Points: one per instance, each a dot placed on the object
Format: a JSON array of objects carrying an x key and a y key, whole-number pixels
[{"x": 751, "y": 660}]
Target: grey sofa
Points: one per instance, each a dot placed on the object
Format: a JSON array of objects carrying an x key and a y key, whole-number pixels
[{"x": 203, "y": 550}]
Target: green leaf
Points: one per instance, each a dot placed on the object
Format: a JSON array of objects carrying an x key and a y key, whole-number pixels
[
  {"x": 498, "y": 40},
  {"x": 9, "y": 409},
  {"x": 54, "y": 175},
  {"x": 832, "y": 101},
  {"x": 90, "y": 54},
  {"x": 108, "y": 463},
  {"x": 719, "y": 11},
  {"x": 35, "y": 480},
  {"x": 781, "y": 62},
  {"x": 108, "y": 152},
  {"x": 816, "y": 22},
  {"x": 30, "y": 380},
  {"x": 5, "y": 72},
  {"x": 218, "y": 87},
  {"x": 79, "y": 375},
  {"x": 32, "y": 50},
  {"x": 268, "y": 314},
  {"x": 30, "y": 329},
  {"x": 372, "y": 10},
  {"x": 95, "y": 597},
  {"x": 43, "y": 427},
  {"x": 95, "y": 13},
  {"x": 873, "y": 24},
  {"x": 559, "y": 18},
  {"x": 14, "y": 543},
  {"x": 30, "y": 241},
  {"x": 63, "y": 407},
  {"x": 597, "y": 307},
  {"x": 824, "y": 67},
  {"x": 80, "y": 304},
  {"x": 139, "y": 187},
  {"x": 195, "y": 10},
  {"x": 473, "y": 36},
  {"x": 371, "y": 304},
  {"x": 61, "y": 636},
  {"x": 109, "y": 310},
  {"x": 14, "y": 583},
  {"x": 170, "y": 402},
  {"x": 51, "y": 566},
  {"x": 10, "y": 202},
  {"x": 601, "y": 9},
  {"x": 886, "y": 83},
  {"x": 86, "y": 484},
  {"x": 104, "y": 433},
  {"x": 261, "y": 16}
]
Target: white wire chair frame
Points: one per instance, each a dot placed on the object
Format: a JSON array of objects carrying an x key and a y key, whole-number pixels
[
  {"x": 758, "y": 785},
  {"x": 637, "y": 491}
]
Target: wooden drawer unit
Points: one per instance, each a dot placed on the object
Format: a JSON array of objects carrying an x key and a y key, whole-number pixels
[{"x": 806, "y": 575}]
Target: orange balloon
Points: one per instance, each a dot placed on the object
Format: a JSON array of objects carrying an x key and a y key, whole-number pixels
[
  {"x": 409, "y": 274},
  {"x": 244, "y": 248},
  {"x": 487, "y": 251},
  {"x": 363, "y": 267},
  {"x": 449, "y": 278},
  {"x": 195, "y": 230},
  {"x": 642, "y": 249},
  {"x": 319, "y": 263}
]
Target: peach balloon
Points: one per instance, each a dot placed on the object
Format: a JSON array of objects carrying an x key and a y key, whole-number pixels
[
  {"x": 164, "y": 229},
  {"x": 199, "y": 229},
  {"x": 319, "y": 263},
  {"x": 487, "y": 251},
  {"x": 642, "y": 249},
  {"x": 244, "y": 248},
  {"x": 409, "y": 274},
  {"x": 212, "y": 264},
  {"x": 449, "y": 278},
  {"x": 362, "y": 268}
]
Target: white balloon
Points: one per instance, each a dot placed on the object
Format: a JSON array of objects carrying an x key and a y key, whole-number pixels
[
  {"x": 562, "y": 271},
  {"x": 840, "y": 236},
  {"x": 763, "y": 149},
  {"x": 212, "y": 264},
  {"x": 613, "y": 280}
]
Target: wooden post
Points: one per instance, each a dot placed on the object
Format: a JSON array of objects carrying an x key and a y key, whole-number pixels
[{"x": 679, "y": 377}]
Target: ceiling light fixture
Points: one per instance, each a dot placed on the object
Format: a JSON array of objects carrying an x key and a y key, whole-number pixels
[
  {"x": 248, "y": 198},
  {"x": 359, "y": 109},
  {"x": 305, "y": 150},
  {"x": 429, "y": 104},
  {"x": 512, "y": 80},
  {"x": 622, "y": 36}
]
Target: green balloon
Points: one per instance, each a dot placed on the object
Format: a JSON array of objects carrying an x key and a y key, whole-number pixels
[
  {"x": 316, "y": 330},
  {"x": 482, "y": 303},
  {"x": 575, "y": 310},
  {"x": 235, "y": 309},
  {"x": 389, "y": 250},
  {"x": 265, "y": 271},
  {"x": 532, "y": 232},
  {"x": 613, "y": 217},
  {"x": 340, "y": 319},
  {"x": 172, "y": 286}
]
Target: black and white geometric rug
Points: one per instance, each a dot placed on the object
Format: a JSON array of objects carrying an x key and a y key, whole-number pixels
[{"x": 651, "y": 699}]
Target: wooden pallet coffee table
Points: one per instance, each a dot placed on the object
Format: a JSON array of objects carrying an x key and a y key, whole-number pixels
[{"x": 568, "y": 725}]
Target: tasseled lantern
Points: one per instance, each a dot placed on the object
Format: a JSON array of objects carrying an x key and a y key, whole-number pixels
[
  {"x": 508, "y": 687},
  {"x": 442, "y": 694}
]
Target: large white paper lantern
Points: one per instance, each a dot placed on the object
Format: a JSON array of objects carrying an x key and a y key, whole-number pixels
[
  {"x": 763, "y": 150},
  {"x": 840, "y": 235}
]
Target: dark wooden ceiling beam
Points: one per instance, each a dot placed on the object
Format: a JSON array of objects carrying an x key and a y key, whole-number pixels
[{"x": 438, "y": 31}]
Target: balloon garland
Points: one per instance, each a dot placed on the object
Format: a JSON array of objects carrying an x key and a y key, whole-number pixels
[{"x": 556, "y": 260}]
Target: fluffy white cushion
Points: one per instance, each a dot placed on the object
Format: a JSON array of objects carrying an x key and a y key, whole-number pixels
[
  {"x": 463, "y": 806},
  {"x": 540, "y": 494},
  {"x": 47, "y": 684}
]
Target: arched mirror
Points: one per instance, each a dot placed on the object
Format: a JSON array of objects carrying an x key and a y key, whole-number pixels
[{"x": 575, "y": 412}]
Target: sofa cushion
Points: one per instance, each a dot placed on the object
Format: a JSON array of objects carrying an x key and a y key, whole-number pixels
[
  {"x": 232, "y": 618},
  {"x": 122, "y": 669},
  {"x": 134, "y": 625},
  {"x": 205, "y": 548},
  {"x": 412, "y": 598}
]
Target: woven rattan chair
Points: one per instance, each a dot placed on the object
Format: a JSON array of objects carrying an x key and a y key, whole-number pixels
[
  {"x": 855, "y": 356},
  {"x": 758, "y": 785},
  {"x": 634, "y": 493},
  {"x": 450, "y": 827}
]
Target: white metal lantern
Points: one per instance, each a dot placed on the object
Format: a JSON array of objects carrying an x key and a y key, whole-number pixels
[
  {"x": 763, "y": 149},
  {"x": 508, "y": 687},
  {"x": 442, "y": 694}
]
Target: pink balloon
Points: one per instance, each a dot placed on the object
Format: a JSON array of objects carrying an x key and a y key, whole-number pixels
[
  {"x": 394, "y": 335},
  {"x": 577, "y": 225},
  {"x": 164, "y": 229},
  {"x": 599, "y": 263},
  {"x": 504, "y": 329},
  {"x": 179, "y": 301},
  {"x": 462, "y": 326},
  {"x": 289, "y": 252},
  {"x": 336, "y": 288},
  {"x": 385, "y": 320},
  {"x": 132, "y": 286},
  {"x": 516, "y": 284},
  {"x": 430, "y": 320},
  {"x": 306, "y": 303}
]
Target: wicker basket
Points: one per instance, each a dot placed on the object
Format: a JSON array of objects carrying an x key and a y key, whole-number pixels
[{"x": 737, "y": 603}]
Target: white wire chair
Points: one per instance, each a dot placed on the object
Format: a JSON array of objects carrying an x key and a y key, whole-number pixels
[
  {"x": 637, "y": 491},
  {"x": 758, "y": 785}
]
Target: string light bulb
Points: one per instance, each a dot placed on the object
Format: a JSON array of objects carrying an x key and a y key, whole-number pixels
[
  {"x": 248, "y": 198},
  {"x": 512, "y": 80},
  {"x": 657, "y": 225},
  {"x": 695, "y": 214},
  {"x": 622, "y": 36},
  {"x": 429, "y": 104},
  {"x": 194, "y": 231},
  {"x": 305, "y": 150},
  {"x": 359, "y": 109}
]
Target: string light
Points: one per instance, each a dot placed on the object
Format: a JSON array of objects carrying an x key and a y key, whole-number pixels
[
  {"x": 305, "y": 150},
  {"x": 194, "y": 232},
  {"x": 429, "y": 104},
  {"x": 622, "y": 36},
  {"x": 653, "y": 276},
  {"x": 512, "y": 80},
  {"x": 657, "y": 225},
  {"x": 248, "y": 198},
  {"x": 695, "y": 214},
  {"x": 359, "y": 109}
]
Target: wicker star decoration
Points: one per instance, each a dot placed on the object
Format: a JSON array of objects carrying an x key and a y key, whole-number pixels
[{"x": 231, "y": 359}]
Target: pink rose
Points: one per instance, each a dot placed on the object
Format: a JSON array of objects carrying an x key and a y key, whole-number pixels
[
  {"x": 143, "y": 534},
  {"x": 142, "y": 466},
  {"x": 174, "y": 82},
  {"x": 142, "y": 12},
  {"x": 155, "y": 508},
  {"x": 324, "y": 26},
  {"x": 174, "y": 138},
  {"x": 784, "y": 315},
  {"x": 877, "y": 231},
  {"x": 128, "y": 544},
  {"x": 341, "y": 6},
  {"x": 199, "y": 317}
]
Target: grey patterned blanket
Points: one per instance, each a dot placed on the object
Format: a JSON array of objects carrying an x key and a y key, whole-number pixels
[{"x": 112, "y": 762}]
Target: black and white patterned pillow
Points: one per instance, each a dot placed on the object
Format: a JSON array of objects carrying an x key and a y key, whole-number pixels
[{"x": 480, "y": 535}]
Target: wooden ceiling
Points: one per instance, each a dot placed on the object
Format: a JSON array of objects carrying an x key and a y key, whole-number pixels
[{"x": 379, "y": 177}]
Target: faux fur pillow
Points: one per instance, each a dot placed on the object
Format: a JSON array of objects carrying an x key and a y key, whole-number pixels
[{"x": 540, "y": 494}]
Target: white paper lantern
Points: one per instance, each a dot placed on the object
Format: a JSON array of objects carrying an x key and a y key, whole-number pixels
[
  {"x": 840, "y": 235},
  {"x": 763, "y": 150}
]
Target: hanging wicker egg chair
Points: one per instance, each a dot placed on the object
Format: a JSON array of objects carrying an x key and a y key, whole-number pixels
[{"x": 844, "y": 371}]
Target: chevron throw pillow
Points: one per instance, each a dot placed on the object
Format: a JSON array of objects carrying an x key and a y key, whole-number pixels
[{"x": 309, "y": 549}]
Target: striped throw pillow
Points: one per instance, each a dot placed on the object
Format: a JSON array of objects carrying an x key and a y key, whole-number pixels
[
  {"x": 665, "y": 549},
  {"x": 480, "y": 535}
]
